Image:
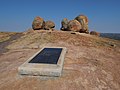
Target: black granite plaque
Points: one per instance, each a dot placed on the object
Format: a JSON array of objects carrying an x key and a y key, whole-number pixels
[{"x": 47, "y": 56}]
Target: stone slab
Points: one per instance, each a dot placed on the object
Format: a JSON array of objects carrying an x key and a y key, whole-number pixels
[
  {"x": 47, "y": 56},
  {"x": 43, "y": 69}
]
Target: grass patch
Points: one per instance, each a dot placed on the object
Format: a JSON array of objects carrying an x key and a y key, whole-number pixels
[{"x": 4, "y": 39}]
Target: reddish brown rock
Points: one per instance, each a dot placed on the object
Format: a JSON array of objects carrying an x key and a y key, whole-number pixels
[
  {"x": 91, "y": 63},
  {"x": 82, "y": 17},
  {"x": 38, "y": 23},
  {"x": 84, "y": 23},
  {"x": 95, "y": 33},
  {"x": 64, "y": 24},
  {"x": 49, "y": 25},
  {"x": 74, "y": 25}
]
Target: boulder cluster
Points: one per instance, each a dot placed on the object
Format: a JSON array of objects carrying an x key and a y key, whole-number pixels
[
  {"x": 79, "y": 24},
  {"x": 39, "y": 23}
]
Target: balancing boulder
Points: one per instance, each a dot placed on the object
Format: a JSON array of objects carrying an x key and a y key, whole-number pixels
[
  {"x": 49, "y": 25},
  {"x": 38, "y": 23},
  {"x": 83, "y": 20},
  {"x": 64, "y": 24},
  {"x": 74, "y": 25}
]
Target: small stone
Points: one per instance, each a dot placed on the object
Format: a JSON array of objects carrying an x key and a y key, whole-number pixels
[
  {"x": 95, "y": 33},
  {"x": 73, "y": 33},
  {"x": 113, "y": 45}
]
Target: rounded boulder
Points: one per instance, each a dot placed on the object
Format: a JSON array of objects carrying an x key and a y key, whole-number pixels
[
  {"x": 81, "y": 18},
  {"x": 74, "y": 25},
  {"x": 38, "y": 23},
  {"x": 64, "y": 24},
  {"x": 84, "y": 23},
  {"x": 95, "y": 33},
  {"x": 49, "y": 25}
]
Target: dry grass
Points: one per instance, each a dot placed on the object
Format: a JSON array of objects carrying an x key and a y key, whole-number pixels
[
  {"x": 38, "y": 38},
  {"x": 4, "y": 36}
]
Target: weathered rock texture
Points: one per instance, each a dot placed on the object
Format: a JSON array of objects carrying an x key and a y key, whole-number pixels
[
  {"x": 84, "y": 23},
  {"x": 38, "y": 23},
  {"x": 74, "y": 25},
  {"x": 91, "y": 63},
  {"x": 64, "y": 24},
  {"x": 49, "y": 25},
  {"x": 82, "y": 19},
  {"x": 95, "y": 33}
]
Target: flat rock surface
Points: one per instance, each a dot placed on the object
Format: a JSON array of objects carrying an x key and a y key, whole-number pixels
[{"x": 91, "y": 63}]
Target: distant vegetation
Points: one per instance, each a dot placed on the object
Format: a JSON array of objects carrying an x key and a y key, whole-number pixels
[{"x": 111, "y": 35}]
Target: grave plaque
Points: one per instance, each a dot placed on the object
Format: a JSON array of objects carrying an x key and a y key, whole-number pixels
[
  {"x": 47, "y": 56},
  {"x": 46, "y": 62}
]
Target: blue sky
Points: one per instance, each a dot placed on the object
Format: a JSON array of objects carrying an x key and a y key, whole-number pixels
[{"x": 17, "y": 15}]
